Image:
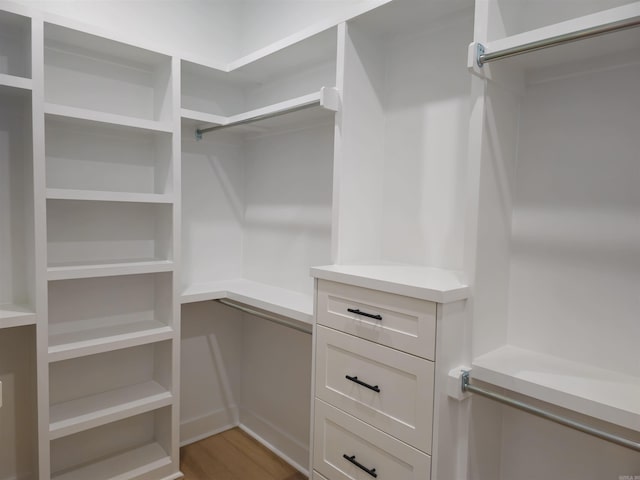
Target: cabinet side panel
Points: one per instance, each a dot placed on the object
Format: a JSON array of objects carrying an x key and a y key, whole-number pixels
[
  {"x": 427, "y": 127},
  {"x": 360, "y": 149}
]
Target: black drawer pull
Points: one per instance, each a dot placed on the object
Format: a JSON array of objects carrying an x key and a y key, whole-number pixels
[
  {"x": 353, "y": 460},
  {"x": 375, "y": 388},
  {"x": 364, "y": 314}
]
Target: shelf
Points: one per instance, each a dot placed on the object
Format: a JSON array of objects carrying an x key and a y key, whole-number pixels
[
  {"x": 131, "y": 464},
  {"x": 96, "y": 117},
  {"x": 122, "y": 267},
  {"x": 327, "y": 98},
  {"x": 279, "y": 301},
  {"x": 66, "y": 343},
  {"x": 100, "y": 196},
  {"x": 202, "y": 117},
  {"x": 432, "y": 284},
  {"x": 308, "y": 47},
  {"x": 603, "y": 45},
  {"x": 16, "y": 316},
  {"x": 12, "y": 81},
  {"x": 88, "y": 412},
  {"x": 603, "y": 394}
]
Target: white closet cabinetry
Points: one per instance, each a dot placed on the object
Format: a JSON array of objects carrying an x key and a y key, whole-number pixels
[
  {"x": 18, "y": 410},
  {"x": 264, "y": 186},
  {"x": 556, "y": 264},
  {"x": 109, "y": 176},
  {"x": 17, "y": 302},
  {"x": 381, "y": 366},
  {"x": 257, "y": 213}
]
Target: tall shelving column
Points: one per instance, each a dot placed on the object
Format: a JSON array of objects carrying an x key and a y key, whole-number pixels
[
  {"x": 18, "y": 418},
  {"x": 106, "y": 180}
]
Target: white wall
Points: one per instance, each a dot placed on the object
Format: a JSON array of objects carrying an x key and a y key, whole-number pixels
[{"x": 266, "y": 21}]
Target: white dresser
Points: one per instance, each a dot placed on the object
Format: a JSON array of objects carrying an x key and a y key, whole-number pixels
[{"x": 385, "y": 339}]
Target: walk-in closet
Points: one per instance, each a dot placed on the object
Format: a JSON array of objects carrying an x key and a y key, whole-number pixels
[{"x": 287, "y": 239}]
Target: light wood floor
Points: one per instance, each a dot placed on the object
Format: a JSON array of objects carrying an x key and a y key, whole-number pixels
[{"x": 233, "y": 455}]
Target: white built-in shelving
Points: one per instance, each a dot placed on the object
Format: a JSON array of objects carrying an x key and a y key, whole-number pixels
[
  {"x": 90, "y": 116},
  {"x": 556, "y": 271},
  {"x": 605, "y": 394},
  {"x": 110, "y": 202},
  {"x": 109, "y": 269},
  {"x": 12, "y": 82},
  {"x": 256, "y": 165},
  {"x": 133, "y": 83},
  {"x": 15, "y": 49},
  {"x": 129, "y": 448},
  {"x": 280, "y": 301},
  {"x": 101, "y": 196},
  {"x": 18, "y": 370},
  {"x": 104, "y": 158},
  {"x": 16, "y": 316},
  {"x": 81, "y": 232},
  {"x": 92, "y": 411}
]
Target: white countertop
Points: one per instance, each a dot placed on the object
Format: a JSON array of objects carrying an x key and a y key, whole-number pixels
[{"x": 433, "y": 284}]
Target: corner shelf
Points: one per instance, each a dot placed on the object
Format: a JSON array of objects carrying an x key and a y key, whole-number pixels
[
  {"x": 80, "y": 342},
  {"x": 602, "y": 394},
  {"x": 16, "y": 316},
  {"x": 104, "y": 196},
  {"x": 88, "y": 412},
  {"x": 108, "y": 269},
  {"x": 327, "y": 98},
  {"x": 97, "y": 117},
  {"x": 279, "y": 301},
  {"x": 131, "y": 464}
]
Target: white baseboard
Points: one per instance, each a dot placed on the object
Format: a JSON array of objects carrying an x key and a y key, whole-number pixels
[
  {"x": 202, "y": 427},
  {"x": 277, "y": 440}
]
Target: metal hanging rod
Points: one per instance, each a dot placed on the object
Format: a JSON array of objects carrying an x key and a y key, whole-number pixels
[
  {"x": 257, "y": 118},
  {"x": 467, "y": 387},
  {"x": 483, "y": 57},
  {"x": 272, "y": 318}
]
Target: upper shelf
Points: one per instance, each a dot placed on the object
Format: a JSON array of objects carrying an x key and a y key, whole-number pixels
[
  {"x": 432, "y": 284},
  {"x": 599, "y": 393},
  {"x": 88, "y": 116},
  {"x": 327, "y": 98},
  {"x": 572, "y": 40},
  {"x": 279, "y": 301}
]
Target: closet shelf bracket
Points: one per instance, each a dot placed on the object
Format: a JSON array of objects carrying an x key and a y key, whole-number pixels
[{"x": 467, "y": 387}]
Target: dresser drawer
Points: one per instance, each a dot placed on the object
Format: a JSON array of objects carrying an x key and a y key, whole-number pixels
[
  {"x": 345, "y": 447},
  {"x": 317, "y": 476},
  {"x": 399, "y": 395},
  {"x": 404, "y": 323}
]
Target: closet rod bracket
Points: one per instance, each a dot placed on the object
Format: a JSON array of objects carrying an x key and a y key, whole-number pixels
[
  {"x": 480, "y": 51},
  {"x": 525, "y": 407}
]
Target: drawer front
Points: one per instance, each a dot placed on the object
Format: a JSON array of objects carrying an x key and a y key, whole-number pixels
[
  {"x": 404, "y": 323},
  {"x": 338, "y": 435},
  {"x": 398, "y": 395},
  {"x": 317, "y": 476}
]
